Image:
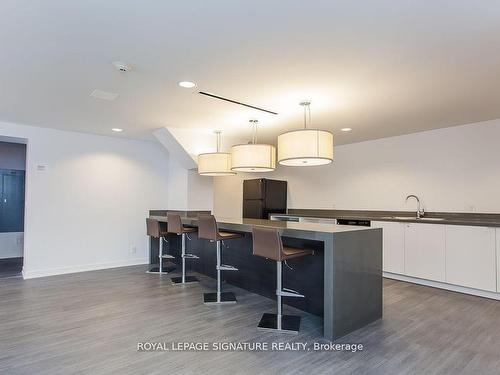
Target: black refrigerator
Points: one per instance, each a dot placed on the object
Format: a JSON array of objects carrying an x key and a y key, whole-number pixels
[{"x": 262, "y": 197}]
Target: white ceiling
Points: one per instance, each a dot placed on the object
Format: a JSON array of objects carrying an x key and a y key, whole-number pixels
[{"x": 381, "y": 67}]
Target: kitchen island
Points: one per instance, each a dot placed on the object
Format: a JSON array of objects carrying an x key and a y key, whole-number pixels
[{"x": 342, "y": 282}]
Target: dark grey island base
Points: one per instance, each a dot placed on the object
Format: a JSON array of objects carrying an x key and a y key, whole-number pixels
[{"x": 342, "y": 282}]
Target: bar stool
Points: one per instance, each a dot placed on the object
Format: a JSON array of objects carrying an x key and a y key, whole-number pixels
[
  {"x": 267, "y": 243},
  {"x": 207, "y": 229},
  {"x": 175, "y": 226},
  {"x": 153, "y": 229}
]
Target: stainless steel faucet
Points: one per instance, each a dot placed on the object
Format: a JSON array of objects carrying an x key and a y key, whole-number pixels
[{"x": 420, "y": 211}]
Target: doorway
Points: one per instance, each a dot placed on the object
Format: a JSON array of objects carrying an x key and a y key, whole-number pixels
[{"x": 12, "y": 187}]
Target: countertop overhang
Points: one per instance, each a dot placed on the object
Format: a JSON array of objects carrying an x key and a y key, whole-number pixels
[{"x": 285, "y": 227}]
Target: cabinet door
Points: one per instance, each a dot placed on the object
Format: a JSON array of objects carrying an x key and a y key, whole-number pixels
[
  {"x": 425, "y": 251},
  {"x": 253, "y": 189},
  {"x": 471, "y": 257},
  {"x": 253, "y": 209},
  {"x": 393, "y": 245}
]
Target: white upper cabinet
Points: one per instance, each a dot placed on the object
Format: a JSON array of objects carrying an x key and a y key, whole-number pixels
[
  {"x": 471, "y": 257},
  {"x": 393, "y": 245},
  {"x": 425, "y": 251}
]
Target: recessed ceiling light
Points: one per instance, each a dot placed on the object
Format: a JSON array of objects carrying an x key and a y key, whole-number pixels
[
  {"x": 187, "y": 84},
  {"x": 346, "y": 129},
  {"x": 122, "y": 67},
  {"x": 118, "y": 130}
]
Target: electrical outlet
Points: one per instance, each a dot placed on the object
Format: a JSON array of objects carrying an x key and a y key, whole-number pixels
[{"x": 133, "y": 249}]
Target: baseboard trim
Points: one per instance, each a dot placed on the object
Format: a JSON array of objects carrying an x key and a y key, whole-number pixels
[
  {"x": 32, "y": 274},
  {"x": 440, "y": 285}
]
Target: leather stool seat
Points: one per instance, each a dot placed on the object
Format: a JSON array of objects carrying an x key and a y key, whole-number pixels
[
  {"x": 188, "y": 230},
  {"x": 292, "y": 252},
  {"x": 227, "y": 235}
]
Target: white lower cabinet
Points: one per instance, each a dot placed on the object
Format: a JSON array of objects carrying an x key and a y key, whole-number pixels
[
  {"x": 471, "y": 257},
  {"x": 393, "y": 246},
  {"x": 465, "y": 256},
  {"x": 425, "y": 251},
  {"x": 498, "y": 258}
]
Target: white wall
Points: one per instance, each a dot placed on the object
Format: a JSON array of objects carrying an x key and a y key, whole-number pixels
[
  {"x": 454, "y": 169},
  {"x": 188, "y": 190},
  {"x": 87, "y": 209},
  {"x": 177, "y": 187},
  {"x": 200, "y": 192},
  {"x": 11, "y": 245}
]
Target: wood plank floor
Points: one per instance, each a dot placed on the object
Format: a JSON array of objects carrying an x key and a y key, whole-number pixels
[{"x": 90, "y": 323}]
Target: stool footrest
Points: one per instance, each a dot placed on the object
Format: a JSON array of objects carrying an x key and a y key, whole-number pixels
[
  {"x": 285, "y": 292},
  {"x": 167, "y": 256},
  {"x": 225, "y": 267},
  {"x": 191, "y": 256}
]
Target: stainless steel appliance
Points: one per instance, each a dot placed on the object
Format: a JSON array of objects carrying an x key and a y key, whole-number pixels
[{"x": 363, "y": 223}]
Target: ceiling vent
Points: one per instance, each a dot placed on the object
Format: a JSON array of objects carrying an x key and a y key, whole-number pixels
[
  {"x": 104, "y": 95},
  {"x": 218, "y": 97}
]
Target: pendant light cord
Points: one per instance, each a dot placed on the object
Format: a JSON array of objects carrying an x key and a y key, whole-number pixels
[
  {"x": 218, "y": 140},
  {"x": 254, "y": 138},
  {"x": 307, "y": 113},
  {"x": 305, "y": 117}
]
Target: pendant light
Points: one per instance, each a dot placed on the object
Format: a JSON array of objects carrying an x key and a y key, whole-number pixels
[
  {"x": 305, "y": 147},
  {"x": 215, "y": 163},
  {"x": 253, "y": 157}
]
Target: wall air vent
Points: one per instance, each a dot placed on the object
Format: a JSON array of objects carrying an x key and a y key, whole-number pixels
[
  {"x": 209, "y": 94},
  {"x": 104, "y": 95}
]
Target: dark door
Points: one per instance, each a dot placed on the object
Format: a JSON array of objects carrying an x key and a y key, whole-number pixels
[
  {"x": 276, "y": 196},
  {"x": 11, "y": 201},
  {"x": 253, "y": 189},
  {"x": 253, "y": 209}
]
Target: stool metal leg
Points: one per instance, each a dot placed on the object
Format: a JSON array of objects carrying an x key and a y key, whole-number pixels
[
  {"x": 160, "y": 269},
  {"x": 160, "y": 256},
  {"x": 184, "y": 279},
  {"x": 279, "y": 281},
  {"x": 280, "y": 322},
  {"x": 220, "y": 297}
]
